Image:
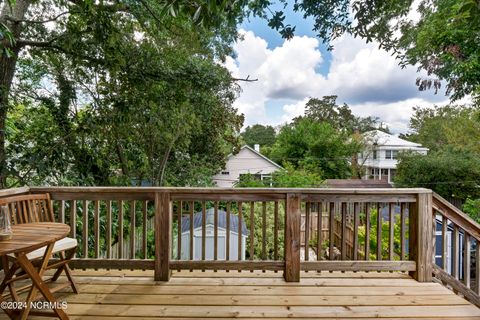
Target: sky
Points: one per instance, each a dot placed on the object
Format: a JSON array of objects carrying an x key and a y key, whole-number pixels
[{"x": 289, "y": 72}]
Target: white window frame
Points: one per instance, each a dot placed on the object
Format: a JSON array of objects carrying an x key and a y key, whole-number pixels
[{"x": 391, "y": 154}]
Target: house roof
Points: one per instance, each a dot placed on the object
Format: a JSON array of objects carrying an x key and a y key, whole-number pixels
[
  {"x": 258, "y": 154},
  {"x": 222, "y": 221},
  {"x": 357, "y": 183},
  {"x": 386, "y": 139}
]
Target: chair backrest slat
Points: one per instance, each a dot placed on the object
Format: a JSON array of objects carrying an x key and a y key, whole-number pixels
[{"x": 29, "y": 208}]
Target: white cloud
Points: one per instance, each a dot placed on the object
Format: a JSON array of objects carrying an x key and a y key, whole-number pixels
[
  {"x": 367, "y": 78},
  {"x": 396, "y": 115},
  {"x": 294, "y": 110}
]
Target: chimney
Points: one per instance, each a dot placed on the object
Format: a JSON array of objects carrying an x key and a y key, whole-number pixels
[{"x": 257, "y": 147}]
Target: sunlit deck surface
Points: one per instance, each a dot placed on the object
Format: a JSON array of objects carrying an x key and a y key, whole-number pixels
[{"x": 120, "y": 295}]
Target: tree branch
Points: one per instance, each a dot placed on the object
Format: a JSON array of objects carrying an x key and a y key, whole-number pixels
[
  {"x": 34, "y": 43},
  {"x": 117, "y": 7},
  {"x": 247, "y": 79},
  {"x": 51, "y": 45},
  {"x": 12, "y": 19}
]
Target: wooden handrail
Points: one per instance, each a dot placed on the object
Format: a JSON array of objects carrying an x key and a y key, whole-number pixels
[
  {"x": 455, "y": 215},
  {"x": 13, "y": 191},
  {"x": 188, "y": 190}
]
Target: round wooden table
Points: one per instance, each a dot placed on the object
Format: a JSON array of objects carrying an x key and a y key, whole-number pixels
[{"x": 27, "y": 238}]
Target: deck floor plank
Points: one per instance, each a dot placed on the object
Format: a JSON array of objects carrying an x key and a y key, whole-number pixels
[{"x": 133, "y": 295}]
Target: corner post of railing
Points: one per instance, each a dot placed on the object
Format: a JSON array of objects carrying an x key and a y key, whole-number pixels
[
  {"x": 163, "y": 231},
  {"x": 421, "y": 236},
  {"x": 292, "y": 238}
]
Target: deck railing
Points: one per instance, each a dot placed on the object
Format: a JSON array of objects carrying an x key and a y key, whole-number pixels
[
  {"x": 285, "y": 230},
  {"x": 457, "y": 256},
  {"x": 289, "y": 230}
]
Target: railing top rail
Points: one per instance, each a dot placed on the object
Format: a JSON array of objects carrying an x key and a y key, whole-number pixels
[
  {"x": 13, "y": 191},
  {"x": 213, "y": 190},
  {"x": 456, "y": 216}
]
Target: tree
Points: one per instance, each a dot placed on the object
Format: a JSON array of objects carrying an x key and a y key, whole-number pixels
[
  {"x": 443, "y": 41},
  {"x": 450, "y": 173},
  {"x": 339, "y": 117},
  {"x": 81, "y": 32},
  {"x": 472, "y": 208},
  {"x": 448, "y": 126},
  {"x": 451, "y": 168},
  {"x": 259, "y": 134},
  {"x": 316, "y": 147},
  {"x": 289, "y": 177},
  {"x": 133, "y": 119}
]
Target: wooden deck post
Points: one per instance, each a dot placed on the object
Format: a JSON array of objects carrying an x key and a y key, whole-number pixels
[
  {"x": 163, "y": 231},
  {"x": 292, "y": 238},
  {"x": 421, "y": 236}
]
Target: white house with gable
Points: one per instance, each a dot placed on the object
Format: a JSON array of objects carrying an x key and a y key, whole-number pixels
[
  {"x": 380, "y": 156},
  {"x": 246, "y": 161}
]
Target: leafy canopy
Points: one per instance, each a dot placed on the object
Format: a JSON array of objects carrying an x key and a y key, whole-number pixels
[
  {"x": 450, "y": 173},
  {"x": 316, "y": 147},
  {"x": 259, "y": 134},
  {"x": 288, "y": 177},
  {"x": 455, "y": 126},
  {"x": 339, "y": 117},
  {"x": 129, "y": 116}
]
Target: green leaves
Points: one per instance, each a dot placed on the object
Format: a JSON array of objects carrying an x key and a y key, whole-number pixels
[
  {"x": 316, "y": 147},
  {"x": 6, "y": 37},
  {"x": 259, "y": 134},
  {"x": 452, "y": 174},
  {"x": 129, "y": 100}
]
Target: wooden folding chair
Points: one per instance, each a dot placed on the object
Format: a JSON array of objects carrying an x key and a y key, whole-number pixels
[{"x": 38, "y": 208}]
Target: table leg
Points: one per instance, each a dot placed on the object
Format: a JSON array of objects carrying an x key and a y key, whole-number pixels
[
  {"x": 9, "y": 272},
  {"x": 11, "y": 287},
  {"x": 37, "y": 282}
]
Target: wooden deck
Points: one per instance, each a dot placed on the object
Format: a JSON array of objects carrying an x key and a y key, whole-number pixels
[{"x": 218, "y": 295}]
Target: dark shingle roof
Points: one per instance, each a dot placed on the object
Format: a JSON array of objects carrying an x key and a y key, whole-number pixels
[{"x": 222, "y": 221}]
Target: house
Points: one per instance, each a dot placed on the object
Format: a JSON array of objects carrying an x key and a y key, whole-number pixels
[
  {"x": 209, "y": 239},
  {"x": 247, "y": 161},
  {"x": 380, "y": 156}
]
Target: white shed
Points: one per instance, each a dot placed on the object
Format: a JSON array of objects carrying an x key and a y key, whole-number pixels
[{"x": 209, "y": 243}]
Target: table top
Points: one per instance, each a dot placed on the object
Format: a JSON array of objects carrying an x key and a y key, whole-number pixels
[{"x": 31, "y": 236}]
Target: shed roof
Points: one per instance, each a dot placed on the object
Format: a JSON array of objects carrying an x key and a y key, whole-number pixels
[
  {"x": 222, "y": 221},
  {"x": 357, "y": 183}
]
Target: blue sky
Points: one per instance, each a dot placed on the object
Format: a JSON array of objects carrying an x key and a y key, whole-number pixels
[{"x": 289, "y": 72}]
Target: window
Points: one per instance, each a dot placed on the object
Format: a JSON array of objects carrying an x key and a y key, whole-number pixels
[
  {"x": 225, "y": 173},
  {"x": 374, "y": 154},
  {"x": 391, "y": 154}
]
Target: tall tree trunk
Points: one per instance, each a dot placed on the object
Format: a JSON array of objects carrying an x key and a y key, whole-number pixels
[{"x": 7, "y": 71}]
